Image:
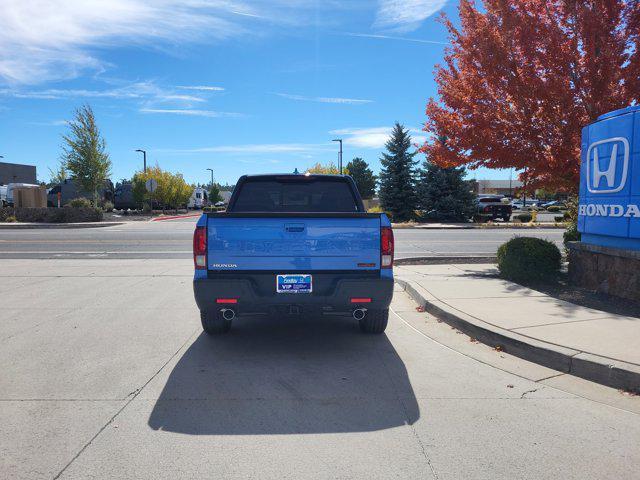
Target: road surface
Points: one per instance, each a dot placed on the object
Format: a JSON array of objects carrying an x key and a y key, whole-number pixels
[{"x": 173, "y": 239}]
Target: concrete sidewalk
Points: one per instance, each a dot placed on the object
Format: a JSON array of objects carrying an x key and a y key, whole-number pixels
[{"x": 588, "y": 343}]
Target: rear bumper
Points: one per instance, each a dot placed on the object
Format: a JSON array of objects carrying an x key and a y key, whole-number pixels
[{"x": 256, "y": 293}]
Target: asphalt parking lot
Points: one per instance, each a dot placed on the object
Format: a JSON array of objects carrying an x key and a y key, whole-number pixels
[{"x": 106, "y": 374}]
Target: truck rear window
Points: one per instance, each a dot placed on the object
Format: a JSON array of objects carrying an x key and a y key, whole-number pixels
[{"x": 295, "y": 195}]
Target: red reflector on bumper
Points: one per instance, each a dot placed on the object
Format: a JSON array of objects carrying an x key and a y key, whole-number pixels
[
  {"x": 360, "y": 300},
  {"x": 226, "y": 300}
]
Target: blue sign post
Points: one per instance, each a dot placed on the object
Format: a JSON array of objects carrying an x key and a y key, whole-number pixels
[{"x": 609, "y": 209}]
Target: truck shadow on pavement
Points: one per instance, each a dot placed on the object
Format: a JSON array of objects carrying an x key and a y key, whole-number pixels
[{"x": 286, "y": 376}]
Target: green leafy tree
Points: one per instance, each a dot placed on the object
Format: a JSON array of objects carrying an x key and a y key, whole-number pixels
[
  {"x": 138, "y": 190},
  {"x": 84, "y": 153},
  {"x": 397, "y": 182},
  {"x": 363, "y": 177},
  {"x": 214, "y": 193},
  {"x": 172, "y": 190},
  {"x": 444, "y": 194},
  {"x": 328, "y": 168},
  {"x": 59, "y": 175}
]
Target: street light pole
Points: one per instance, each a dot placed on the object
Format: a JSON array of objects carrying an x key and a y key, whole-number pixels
[
  {"x": 339, "y": 153},
  {"x": 144, "y": 159},
  {"x": 211, "y": 170},
  {"x": 510, "y": 188}
]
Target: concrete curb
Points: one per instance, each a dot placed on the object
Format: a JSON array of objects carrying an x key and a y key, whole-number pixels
[
  {"x": 24, "y": 226},
  {"x": 603, "y": 370},
  {"x": 444, "y": 260}
]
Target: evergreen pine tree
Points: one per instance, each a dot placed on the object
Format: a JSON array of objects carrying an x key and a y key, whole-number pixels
[
  {"x": 214, "y": 193},
  {"x": 363, "y": 177},
  {"x": 397, "y": 183},
  {"x": 444, "y": 194}
]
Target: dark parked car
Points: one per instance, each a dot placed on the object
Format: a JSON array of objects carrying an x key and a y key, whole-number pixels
[{"x": 492, "y": 207}]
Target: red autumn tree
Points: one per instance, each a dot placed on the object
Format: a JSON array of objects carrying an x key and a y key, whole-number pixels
[{"x": 522, "y": 77}]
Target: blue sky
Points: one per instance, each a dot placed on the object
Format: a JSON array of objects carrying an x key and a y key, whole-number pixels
[{"x": 237, "y": 86}]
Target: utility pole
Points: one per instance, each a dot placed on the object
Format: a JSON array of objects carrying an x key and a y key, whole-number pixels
[
  {"x": 211, "y": 170},
  {"x": 144, "y": 159},
  {"x": 339, "y": 154}
]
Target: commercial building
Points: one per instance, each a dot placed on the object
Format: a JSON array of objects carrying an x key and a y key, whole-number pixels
[
  {"x": 496, "y": 187},
  {"x": 17, "y": 173}
]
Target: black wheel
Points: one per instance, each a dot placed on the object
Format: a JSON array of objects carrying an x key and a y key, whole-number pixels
[
  {"x": 375, "y": 321},
  {"x": 214, "y": 323},
  {"x": 506, "y": 219}
]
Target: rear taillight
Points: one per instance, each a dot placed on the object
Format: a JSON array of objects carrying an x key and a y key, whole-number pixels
[
  {"x": 200, "y": 248},
  {"x": 386, "y": 247}
]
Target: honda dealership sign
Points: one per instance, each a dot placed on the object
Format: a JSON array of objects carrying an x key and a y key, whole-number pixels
[{"x": 609, "y": 210}]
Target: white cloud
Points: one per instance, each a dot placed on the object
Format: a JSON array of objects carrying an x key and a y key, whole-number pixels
[
  {"x": 43, "y": 40},
  {"x": 53, "y": 123},
  {"x": 374, "y": 137},
  {"x": 405, "y": 15},
  {"x": 345, "y": 101},
  {"x": 53, "y": 39},
  {"x": 202, "y": 88},
  {"x": 147, "y": 92},
  {"x": 190, "y": 112},
  {"x": 388, "y": 37}
]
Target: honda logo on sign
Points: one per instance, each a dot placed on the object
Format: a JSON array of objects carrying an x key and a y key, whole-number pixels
[{"x": 602, "y": 171}]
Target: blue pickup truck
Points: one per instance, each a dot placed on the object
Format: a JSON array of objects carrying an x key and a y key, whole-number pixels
[{"x": 291, "y": 245}]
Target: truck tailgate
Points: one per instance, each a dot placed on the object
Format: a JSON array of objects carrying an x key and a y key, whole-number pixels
[{"x": 293, "y": 244}]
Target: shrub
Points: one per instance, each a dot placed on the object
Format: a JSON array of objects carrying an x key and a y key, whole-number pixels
[
  {"x": 528, "y": 259},
  {"x": 79, "y": 202},
  {"x": 524, "y": 217},
  {"x": 51, "y": 215},
  {"x": 559, "y": 218},
  {"x": 553, "y": 209},
  {"x": 571, "y": 234},
  {"x": 107, "y": 206},
  {"x": 11, "y": 219}
]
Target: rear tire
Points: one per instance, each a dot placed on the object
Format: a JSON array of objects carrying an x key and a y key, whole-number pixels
[
  {"x": 506, "y": 219},
  {"x": 375, "y": 321},
  {"x": 214, "y": 323}
]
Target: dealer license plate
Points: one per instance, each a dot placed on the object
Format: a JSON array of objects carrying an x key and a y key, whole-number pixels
[{"x": 298, "y": 283}]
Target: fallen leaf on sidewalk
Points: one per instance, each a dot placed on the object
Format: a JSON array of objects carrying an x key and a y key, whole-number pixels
[
  {"x": 498, "y": 348},
  {"x": 509, "y": 386},
  {"x": 473, "y": 340},
  {"x": 420, "y": 308}
]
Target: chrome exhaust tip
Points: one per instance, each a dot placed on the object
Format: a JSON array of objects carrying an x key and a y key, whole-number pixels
[
  {"x": 359, "y": 313},
  {"x": 228, "y": 314}
]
